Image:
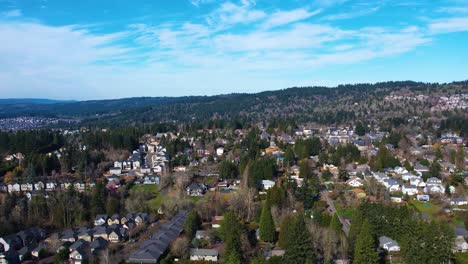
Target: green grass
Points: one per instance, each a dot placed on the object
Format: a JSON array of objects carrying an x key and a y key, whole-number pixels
[
  {"x": 148, "y": 188},
  {"x": 343, "y": 212},
  {"x": 425, "y": 207},
  {"x": 155, "y": 202},
  {"x": 461, "y": 258}
]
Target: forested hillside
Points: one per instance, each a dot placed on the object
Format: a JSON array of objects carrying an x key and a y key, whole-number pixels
[{"x": 395, "y": 102}]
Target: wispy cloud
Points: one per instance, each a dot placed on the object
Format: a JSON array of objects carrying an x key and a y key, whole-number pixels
[
  {"x": 448, "y": 25},
  {"x": 197, "y": 3},
  {"x": 280, "y": 18},
  {"x": 352, "y": 14},
  {"x": 12, "y": 13},
  {"x": 454, "y": 9},
  {"x": 236, "y": 44}
]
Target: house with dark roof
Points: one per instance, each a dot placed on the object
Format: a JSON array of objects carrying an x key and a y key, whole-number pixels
[
  {"x": 195, "y": 189},
  {"x": 114, "y": 219},
  {"x": 68, "y": 235},
  {"x": 11, "y": 242},
  {"x": 97, "y": 245},
  {"x": 100, "y": 219},
  {"x": 79, "y": 256},
  {"x": 152, "y": 249}
]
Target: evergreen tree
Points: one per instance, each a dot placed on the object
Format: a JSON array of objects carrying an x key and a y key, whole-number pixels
[
  {"x": 230, "y": 232},
  {"x": 267, "y": 225},
  {"x": 30, "y": 172},
  {"x": 192, "y": 223},
  {"x": 285, "y": 229},
  {"x": 335, "y": 223},
  {"x": 98, "y": 200},
  {"x": 365, "y": 251},
  {"x": 299, "y": 246},
  {"x": 289, "y": 156},
  {"x": 360, "y": 129}
]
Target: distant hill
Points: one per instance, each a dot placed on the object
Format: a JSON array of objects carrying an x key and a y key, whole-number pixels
[
  {"x": 341, "y": 104},
  {"x": 14, "y": 101}
]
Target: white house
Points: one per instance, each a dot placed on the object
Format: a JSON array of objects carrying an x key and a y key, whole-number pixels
[
  {"x": 392, "y": 185},
  {"x": 115, "y": 170},
  {"x": 14, "y": 187},
  {"x": 458, "y": 201},
  {"x": 50, "y": 186},
  {"x": 267, "y": 184},
  {"x": 433, "y": 180},
  {"x": 219, "y": 151},
  {"x": 434, "y": 188},
  {"x": 200, "y": 254},
  {"x": 39, "y": 186},
  {"x": 355, "y": 182},
  {"x": 418, "y": 182},
  {"x": 423, "y": 197},
  {"x": 460, "y": 244},
  {"x": 400, "y": 170},
  {"x": 388, "y": 244},
  {"x": 409, "y": 189}
]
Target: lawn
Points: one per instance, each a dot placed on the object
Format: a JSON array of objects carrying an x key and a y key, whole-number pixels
[
  {"x": 425, "y": 207},
  {"x": 343, "y": 212},
  {"x": 155, "y": 202},
  {"x": 148, "y": 188},
  {"x": 461, "y": 257}
]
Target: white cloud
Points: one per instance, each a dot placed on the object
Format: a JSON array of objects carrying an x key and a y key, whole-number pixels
[
  {"x": 229, "y": 14},
  {"x": 237, "y": 47},
  {"x": 449, "y": 25},
  {"x": 12, "y": 13},
  {"x": 197, "y": 3},
  {"x": 454, "y": 9},
  {"x": 352, "y": 14},
  {"x": 280, "y": 18}
]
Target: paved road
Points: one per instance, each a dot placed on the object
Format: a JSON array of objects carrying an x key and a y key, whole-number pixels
[{"x": 332, "y": 210}]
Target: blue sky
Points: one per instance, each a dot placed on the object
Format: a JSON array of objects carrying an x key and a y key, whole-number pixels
[{"x": 91, "y": 49}]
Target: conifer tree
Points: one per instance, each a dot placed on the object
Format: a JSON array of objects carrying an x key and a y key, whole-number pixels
[
  {"x": 192, "y": 223},
  {"x": 335, "y": 223},
  {"x": 299, "y": 246},
  {"x": 365, "y": 251},
  {"x": 230, "y": 232},
  {"x": 267, "y": 225}
]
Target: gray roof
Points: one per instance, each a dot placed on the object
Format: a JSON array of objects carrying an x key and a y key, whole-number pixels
[
  {"x": 383, "y": 240},
  {"x": 461, "y": 231},
  {"x": 98, "y": 243},
  {"x": 151, "y": 250},
  {"x": 203, "y": 252}
]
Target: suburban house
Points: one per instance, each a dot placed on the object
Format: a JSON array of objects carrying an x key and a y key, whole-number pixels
[
  {"x": 267, "y": 184},
  {"x": 409, "y": 189},
  {"x": 200, "y": 254},
  {"x": 114, "y": 219},
  {"x": 195, "y": 189},
  {"x": 459, "y": 201},
  {"x": 152, "y": 249},
  {"x": 219, "y": 151},
  {"x": 388, "y": 244},
  {"x": 100, "y": 219},
  {"x": 423, "y": 197},
  {"x": 355, "y": 182},
  {"x": 392, "y": 185},
  {"x": 201, "y": 234},
  {"x": 115, "y": 170},
  {"x": 78, "y": 256}
]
